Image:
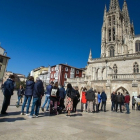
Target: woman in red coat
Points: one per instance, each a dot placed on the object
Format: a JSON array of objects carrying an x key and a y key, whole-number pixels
[{"x": 83, "y": 100}]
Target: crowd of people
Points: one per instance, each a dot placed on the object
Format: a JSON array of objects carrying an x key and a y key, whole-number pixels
[{"x": 59, "y": 100}]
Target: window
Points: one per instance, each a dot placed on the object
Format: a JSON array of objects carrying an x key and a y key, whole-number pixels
[
  {"x": 72, "y": 70},
  {"x": 65, "y": 76},
  {"x": 137, "y": 46},
  {"x": 136, "y": 68},
  {"x": 72, "y": 75},
  {"x": 112, "y": 51},
  {"x": 66, "y": 68},
  {"x": 109, "y": 21},
  {"x": 77, "y": 72},
  {"x": 1, "y": 59},
  {"x": 109, "y": 34},
  {"x": 113, "y": 20},
  {"x": 113, "y": 34},
  {"x": 51, "y": 75},
  {"x": 0, "y": 67}
]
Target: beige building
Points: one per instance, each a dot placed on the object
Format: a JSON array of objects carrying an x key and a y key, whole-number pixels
[
  {"x": 3, "y": 63},
  {"x": 118, "y": 67},
  {"x": 38, "y": 71},
  {"x": 18, "y": 77}
]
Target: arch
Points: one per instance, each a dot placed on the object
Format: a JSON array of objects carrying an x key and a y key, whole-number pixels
[
  {"x": 121, "y": 88},
  {"x": 112, "y": 51}
]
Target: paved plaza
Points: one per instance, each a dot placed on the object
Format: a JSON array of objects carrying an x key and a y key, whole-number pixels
[{"x": 81, "y": 126}]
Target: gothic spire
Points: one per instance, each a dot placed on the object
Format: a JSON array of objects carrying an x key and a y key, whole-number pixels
[
  {"x": 114, "y": 5},
  {"x": 90, "y": 56},
  {"x": 125, "y": 13},
  {"x": 105, "y": 10}
]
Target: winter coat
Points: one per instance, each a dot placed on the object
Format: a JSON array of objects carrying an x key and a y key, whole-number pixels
[
  {"x": 83, "y": 100},
  {"x": 119, "y": 99},
  {"x": 103, "y": 97},
  {"x": 20, "y": 92},
  {"x": 133, "y": 100},
  {"x": 57, "y": 95},
  {"x": 99, "y": 98},
  {"x": 90, "y": 95},
  {"x": 62, "y": 93},
  {"x": 127, "y": 99},
  {"x": 113, "y": 97},
  {"x": 48, "y": 90},
  {"x": 77, "y": 96},
  {"x": 8, "y": 87},
  {"x": 38, "y": 90},
  {"x": 29, "y": 88}
]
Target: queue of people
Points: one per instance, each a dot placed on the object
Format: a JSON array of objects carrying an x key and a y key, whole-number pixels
[{"x": 58, "y": 99}]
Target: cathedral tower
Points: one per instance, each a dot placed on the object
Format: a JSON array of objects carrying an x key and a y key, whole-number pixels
[{"x": 117, "y": 31}]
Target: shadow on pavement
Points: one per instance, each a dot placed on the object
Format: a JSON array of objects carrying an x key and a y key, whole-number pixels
[
  {"x": 11, "y": 119},
  {"x": 76, "y": 115}
]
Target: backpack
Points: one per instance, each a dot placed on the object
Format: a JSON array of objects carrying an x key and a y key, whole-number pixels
[
  {"x": 72, "y": 94},
  {"x": 53, "y": 92}
]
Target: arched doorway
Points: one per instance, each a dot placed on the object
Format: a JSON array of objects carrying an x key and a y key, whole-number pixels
[{"x": 121, "y": 90}]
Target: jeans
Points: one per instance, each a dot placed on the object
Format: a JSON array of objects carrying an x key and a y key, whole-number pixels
[
  {"x": 127, "y": 107},
  {"x": 35, "y": 106},
  {"x": 113, "y": 105},
  {"x": 29, "y": 98},
  {"x": 6, "y": 103},
  {"x": 19, "y": 97},
  {"x": 118, "y": 103},
  {"x": 103, "y": 104},
  {"x": 47, "y": 99}
]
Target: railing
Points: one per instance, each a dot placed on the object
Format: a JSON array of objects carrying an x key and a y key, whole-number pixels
[
  {"x": 75, "y": 80},
  {"x": 124, "y": 76},
  {"x": 116, "y": 57}
]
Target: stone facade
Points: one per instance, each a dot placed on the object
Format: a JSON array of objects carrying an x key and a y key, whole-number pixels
[{"x": 118, "y": 67}]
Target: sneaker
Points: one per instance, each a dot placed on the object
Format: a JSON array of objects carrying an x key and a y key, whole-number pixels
[
  {"x": 27, "y": 114},
  {"x": 42, "y": 109},
  {"x": 4, "y": 113},
  {"x": 17, "y": 106},
  {"x": 22, "y": 113},
  {"x": 36, "y": 116},
  {"x": 30, "y": 116}
]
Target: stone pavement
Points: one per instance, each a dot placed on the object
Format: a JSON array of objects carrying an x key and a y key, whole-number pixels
[{"x": 81, "y": 126}]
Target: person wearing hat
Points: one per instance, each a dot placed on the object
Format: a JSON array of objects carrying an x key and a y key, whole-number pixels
[{"x": 38, "y": 92}]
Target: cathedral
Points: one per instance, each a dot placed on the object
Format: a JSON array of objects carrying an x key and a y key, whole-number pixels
[{"x": 118, "y": 67}]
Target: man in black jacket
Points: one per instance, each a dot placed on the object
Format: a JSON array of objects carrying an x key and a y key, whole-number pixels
[
  {"x": 90, "y": 96},
  {"x": 113, "y": 100},
  {"x": 38, "y": 92},
  {"x": 8, "y": 92},
  {"x": 119, "y": 102}
]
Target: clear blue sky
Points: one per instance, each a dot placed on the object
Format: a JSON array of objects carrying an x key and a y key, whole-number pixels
[{"x": 48, "y": 32}]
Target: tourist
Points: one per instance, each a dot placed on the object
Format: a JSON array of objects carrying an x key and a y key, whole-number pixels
[
  {"x": 8, "y": 92},
  {"x": 62, "y": 94},
  {"x": 119, "y": 101},
  {"x": 83, "y": 100},
  {"x": 104, "y": 99},
  {"x": 38, "y": 93},
  {"x": 96, "y": 102},
  {"x": 127, "y": 100},
  {"x": 54, "y": 99},
  {"x": 70, "y": 92},
  {"x": 123, "y": 98},
  {"x": 113, "y": 98},
  {"x": 20, "y": 94},
  {"x": 47, "y": 97},
  {"x": 90, "y": 96},
  {"x": 99, "y": 100},
  {"x": 76, "y": 99},
  {"x": 28, "y": 95},
  {"x": 133, "y": 102}
]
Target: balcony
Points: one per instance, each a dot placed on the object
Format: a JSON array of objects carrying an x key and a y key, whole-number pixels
[
  {"x": 75, "y": 80},
  {"x": 124, "y": 76}
]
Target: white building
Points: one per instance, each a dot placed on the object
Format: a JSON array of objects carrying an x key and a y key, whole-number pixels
[{"x": 118, "y": 67}]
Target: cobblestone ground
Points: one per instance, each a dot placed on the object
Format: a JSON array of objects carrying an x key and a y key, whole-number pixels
[{"x": 81, "y": 126}]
